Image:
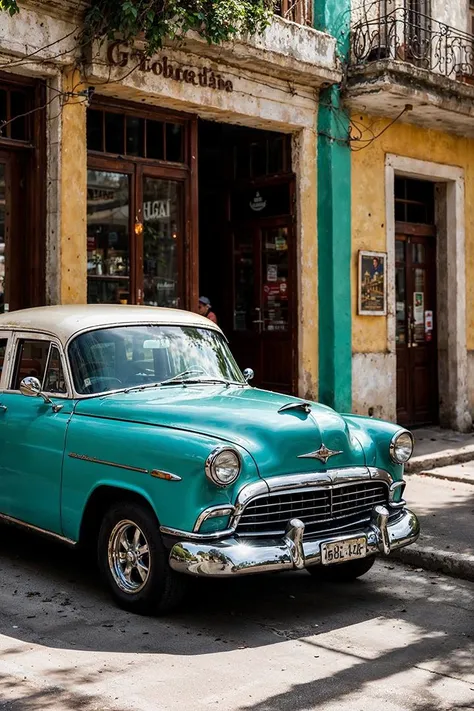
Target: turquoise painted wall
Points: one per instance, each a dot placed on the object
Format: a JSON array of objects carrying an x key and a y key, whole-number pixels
[{"x": 334, "y": 224}]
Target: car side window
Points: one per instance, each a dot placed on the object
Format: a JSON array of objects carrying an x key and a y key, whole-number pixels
[
  {"x": 31, "y": 360},
  {"x": 3, "y": 350},
  {"x": 54, "y": 381}
]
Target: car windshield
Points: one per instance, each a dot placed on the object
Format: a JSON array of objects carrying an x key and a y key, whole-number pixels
[{"x": 140, "y": 356}]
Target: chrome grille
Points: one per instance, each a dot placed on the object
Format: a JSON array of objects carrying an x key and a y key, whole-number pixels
[{"x": 321, "y": 509}]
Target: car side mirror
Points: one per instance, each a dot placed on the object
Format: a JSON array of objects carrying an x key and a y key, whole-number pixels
[
  {"x": 31, "y": 387},
  {"x": 248, "y": 374}
]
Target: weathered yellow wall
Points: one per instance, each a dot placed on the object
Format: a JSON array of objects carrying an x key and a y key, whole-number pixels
[
  {"x": 368, "y": 209},
  {"x": 73, "y": 195},
  {"x": 304, "y": 162}
]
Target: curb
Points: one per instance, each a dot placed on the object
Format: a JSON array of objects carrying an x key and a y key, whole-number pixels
[
  {"x": 458, "y": 565},
  {"x": 440, "y": 459}
]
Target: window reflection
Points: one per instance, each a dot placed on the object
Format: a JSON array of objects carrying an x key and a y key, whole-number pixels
[
  {"x": 2, "y": 236},
  {"x": 162, "y": 201},
  {"x": 108, "y": 251}
]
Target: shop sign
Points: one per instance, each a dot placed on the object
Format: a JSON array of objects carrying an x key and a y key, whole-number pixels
[{"x": 205, "y": 77}]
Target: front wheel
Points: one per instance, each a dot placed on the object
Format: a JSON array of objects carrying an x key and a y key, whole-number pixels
[
  {"x": 134, "y": 563},
  {"x": 342, "y": 572}
]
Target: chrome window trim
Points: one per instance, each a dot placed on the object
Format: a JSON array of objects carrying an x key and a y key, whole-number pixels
[
  {"x": 38, "y": 336},
  {"x": 8, "y": 336}
]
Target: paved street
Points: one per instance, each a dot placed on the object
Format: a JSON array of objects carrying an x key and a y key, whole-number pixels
[{"x": 400, "y": 639}]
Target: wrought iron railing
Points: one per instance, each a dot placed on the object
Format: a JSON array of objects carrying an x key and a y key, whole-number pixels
[
  {"x": 409, "y": 36},
  {"x": 299, "y": 11}
]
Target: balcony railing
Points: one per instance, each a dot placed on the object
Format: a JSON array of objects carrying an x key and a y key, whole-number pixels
[
  {"x": 409, "y": 36},
  {"x": 299, "y": 11}
]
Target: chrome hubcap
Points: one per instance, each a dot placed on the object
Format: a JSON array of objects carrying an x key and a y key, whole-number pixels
[{"x": 129, "y": 557}]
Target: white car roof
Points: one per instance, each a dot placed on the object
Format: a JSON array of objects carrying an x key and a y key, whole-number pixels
[{"x": 64, "y": 322}]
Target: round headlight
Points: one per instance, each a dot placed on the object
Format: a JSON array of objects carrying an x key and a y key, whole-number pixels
[
  {"x": 401, "y": 447},
  {"x": 223, "y": 466}
]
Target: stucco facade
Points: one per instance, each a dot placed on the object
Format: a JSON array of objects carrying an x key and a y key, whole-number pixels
[
  {"x": 444, "y": 159},
  {"x": 276, "y": 80}
]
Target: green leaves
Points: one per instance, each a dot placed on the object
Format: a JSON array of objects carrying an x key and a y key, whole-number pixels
[
  {"x": 153, "y": 21},
  {"x": 9, "y": 6}
]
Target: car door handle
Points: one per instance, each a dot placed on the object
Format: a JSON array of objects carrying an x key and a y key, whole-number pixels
[{"x": 3, "y": 408}]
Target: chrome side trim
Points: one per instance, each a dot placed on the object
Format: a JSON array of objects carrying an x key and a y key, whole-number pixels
[
  {"x": 93, "y": 460},
  {"x": 36, "y": 529},
  {"x": 212, "y": 512},
  {"x": 177, "y": 533}
]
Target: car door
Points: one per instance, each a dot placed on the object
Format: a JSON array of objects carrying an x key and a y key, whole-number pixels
[{"x": 32, "y": 432}]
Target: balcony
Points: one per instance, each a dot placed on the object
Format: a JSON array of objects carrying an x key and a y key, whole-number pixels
[
  {"x": 299, "y": 11},
  {"x": 404, "y": 57}
]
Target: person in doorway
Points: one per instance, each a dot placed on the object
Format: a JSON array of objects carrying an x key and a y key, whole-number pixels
[{"x": 205, "y": 309}]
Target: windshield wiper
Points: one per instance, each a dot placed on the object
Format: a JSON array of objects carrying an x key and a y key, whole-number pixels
[
  {"x": 178, "y": 381},
  {"x": 194, "y": 381}
]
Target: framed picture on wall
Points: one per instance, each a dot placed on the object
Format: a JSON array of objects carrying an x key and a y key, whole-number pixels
[{"x": 372, "y": 283}]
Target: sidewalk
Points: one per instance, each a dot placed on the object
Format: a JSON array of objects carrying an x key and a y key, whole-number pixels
[
  {"x": 443, "y": 500},
  {"x": 435, "y": 447}
]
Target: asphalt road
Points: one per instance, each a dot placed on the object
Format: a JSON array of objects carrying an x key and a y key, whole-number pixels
[{"x": 399, "y": 639}]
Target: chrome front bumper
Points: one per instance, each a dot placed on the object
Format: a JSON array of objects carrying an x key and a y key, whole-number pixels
[{"x": 234, "y": 556}]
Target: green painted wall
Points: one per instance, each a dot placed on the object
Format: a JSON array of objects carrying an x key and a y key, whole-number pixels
[{"x": 334, "y": 224}]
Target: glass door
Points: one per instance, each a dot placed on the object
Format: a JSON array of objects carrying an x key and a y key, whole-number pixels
[
  {"x": 108, "y": 237},
  {"x": 263, "y": 300},
  {"x": 162, "y": 215},
  {"x": 3, "y": 236}
]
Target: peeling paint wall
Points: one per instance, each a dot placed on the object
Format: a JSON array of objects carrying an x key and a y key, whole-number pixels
[
  {"x": 304, "y": 165},
  {"x": 373, "y": 353}
]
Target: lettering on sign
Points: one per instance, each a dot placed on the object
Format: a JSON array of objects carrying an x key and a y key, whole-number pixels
[
  {"x": 258, "y": 203},
  {"x": 163, "y": 67},
  {"x": 156, "y": 209}
]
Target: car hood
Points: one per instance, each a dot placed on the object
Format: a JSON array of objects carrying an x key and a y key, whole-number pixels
[{"x": 243, "y": 416}]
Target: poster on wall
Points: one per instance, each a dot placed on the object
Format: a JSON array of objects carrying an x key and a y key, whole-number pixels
[{"x": 372, "y": 284}]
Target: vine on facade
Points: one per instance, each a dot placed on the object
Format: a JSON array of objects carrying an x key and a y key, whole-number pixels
[{"x": 153, "y": 21}]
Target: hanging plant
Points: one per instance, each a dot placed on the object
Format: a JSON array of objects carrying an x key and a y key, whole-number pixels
[
  {"x": 10, "y": 6},
  {"x": 153, "y": 21}
]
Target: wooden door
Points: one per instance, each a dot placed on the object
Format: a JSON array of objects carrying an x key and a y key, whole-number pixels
[
  {"x": 416, "y": 333},
  {"x": 263, "y": 329}
]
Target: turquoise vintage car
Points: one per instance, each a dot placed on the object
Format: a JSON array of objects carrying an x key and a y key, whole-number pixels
[{"x": 132, "y": 430}]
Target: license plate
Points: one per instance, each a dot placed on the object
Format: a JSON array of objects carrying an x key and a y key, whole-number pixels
[{"x": 341, "y": 551}]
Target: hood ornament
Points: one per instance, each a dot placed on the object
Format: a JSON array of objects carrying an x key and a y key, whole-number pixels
[
  {"x": 305, "y": 406},
  {"x": 323, "y": 454}
]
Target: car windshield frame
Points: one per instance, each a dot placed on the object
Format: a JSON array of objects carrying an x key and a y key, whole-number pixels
[{"x": 191, "y": 375}]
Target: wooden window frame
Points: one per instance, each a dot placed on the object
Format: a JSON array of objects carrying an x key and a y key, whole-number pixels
[{"x": 137, "y": 167}]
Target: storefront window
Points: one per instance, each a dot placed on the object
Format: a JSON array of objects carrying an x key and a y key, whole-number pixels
[
  {"x": 108, "y": 238},
  {"x": 111, "y": 132},
  {"x": 162, "y": 200}
]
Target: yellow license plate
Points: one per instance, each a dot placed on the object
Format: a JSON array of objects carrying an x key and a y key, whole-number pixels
[{"x": 342, "y": 551}]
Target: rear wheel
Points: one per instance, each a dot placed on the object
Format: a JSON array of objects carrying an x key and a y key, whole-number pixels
[
  {"x": 134, "y": 563},
  {"x": 342, "y": 572}
]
